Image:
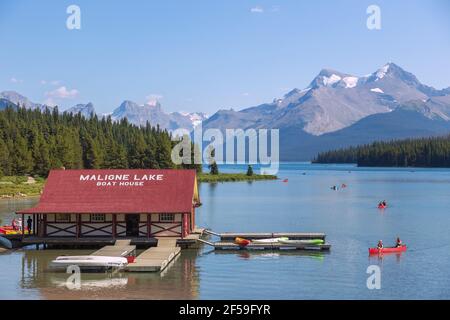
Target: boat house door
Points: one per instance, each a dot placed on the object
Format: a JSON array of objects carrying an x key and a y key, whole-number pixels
[{"x": 132, "y": 221}]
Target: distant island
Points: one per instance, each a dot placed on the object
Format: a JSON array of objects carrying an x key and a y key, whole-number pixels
[
  {"x": 233, "y": 177},
  {"x": 433, "y": 152}
]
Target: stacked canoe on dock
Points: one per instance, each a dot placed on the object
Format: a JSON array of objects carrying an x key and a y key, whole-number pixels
[{"x": 269, "y": 241}]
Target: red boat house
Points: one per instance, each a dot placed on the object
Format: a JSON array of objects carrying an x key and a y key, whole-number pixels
[{"x": 81, "y": 204}]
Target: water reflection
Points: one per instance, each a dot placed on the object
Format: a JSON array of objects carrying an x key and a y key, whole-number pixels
[
  {"x": 272, "y": 255},
  {"x": 179, "y": 280},
  {"x": 90, "y": 281},
  {"x": 381, "y": 256}
]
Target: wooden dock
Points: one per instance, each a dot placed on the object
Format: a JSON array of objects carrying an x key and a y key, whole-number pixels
[
  {"x": 121, "y": 248},
  {"x": 155, "y": 259}
]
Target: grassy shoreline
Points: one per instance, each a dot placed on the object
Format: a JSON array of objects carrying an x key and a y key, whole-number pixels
[
  {"x": 18, "y": 187},
  {"x": 232, "y": 177}
]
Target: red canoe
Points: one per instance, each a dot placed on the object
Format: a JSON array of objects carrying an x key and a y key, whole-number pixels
[{"x": 387, "y": 250}]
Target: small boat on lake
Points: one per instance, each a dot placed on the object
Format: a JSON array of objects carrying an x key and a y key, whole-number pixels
[
  {"x": 90, "y": 263},
  {"x": 387, "y": 250},
  {"x": 271, "y": 240}
]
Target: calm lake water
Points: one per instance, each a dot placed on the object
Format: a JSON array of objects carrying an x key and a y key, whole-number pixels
[{"x": 419, "y": 213}]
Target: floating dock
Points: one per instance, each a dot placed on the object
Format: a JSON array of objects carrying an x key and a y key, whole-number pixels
[
  {"x": 267, "y": 246},
  {"x": 227, "y": 241},
  {"x": 230, "y": 236},
  {"x": 155, "y": 259}
]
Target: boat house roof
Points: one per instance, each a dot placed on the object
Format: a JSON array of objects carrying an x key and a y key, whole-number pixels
[{"x": 118, "y": 191}]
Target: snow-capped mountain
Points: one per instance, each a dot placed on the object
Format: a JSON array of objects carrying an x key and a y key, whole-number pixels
[
  {"x": 4, "y": 103},
  {"x": 195, "y": 117},
  {"x": 335, "y": 102},
  {"x": 13, "y": 98},
  {"x": 86, "y": 110},
  {"x": 155, "y": 115},
  {"x": 332, "y": 101},
  {"x": 135, "y": 113}
]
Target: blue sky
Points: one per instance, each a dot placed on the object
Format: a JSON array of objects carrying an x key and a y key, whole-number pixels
[{"x": 206, "y": 55}]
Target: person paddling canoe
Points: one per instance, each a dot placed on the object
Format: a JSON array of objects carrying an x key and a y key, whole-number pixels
[
  {"x": 382, "y": 204},
  {"x": 399, "y": 242},
  {"x": 380, "y": 245}
]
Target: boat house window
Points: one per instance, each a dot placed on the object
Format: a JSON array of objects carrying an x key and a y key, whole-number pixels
[
  {"x": 62, "y": 217},
  {"x": 98, "y": 217},
  {"x": 166, "y": 217}
]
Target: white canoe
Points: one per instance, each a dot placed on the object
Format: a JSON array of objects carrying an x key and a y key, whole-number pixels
[
  {"x": 306, "y": 241},
  {"x": 270, "y": 240},
  {"x": 90, "y": 262}
]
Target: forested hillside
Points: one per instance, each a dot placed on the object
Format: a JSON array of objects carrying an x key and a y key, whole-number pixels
[
  {"x": 424, "y": 152},
  {"x": 33, "y": 142}
]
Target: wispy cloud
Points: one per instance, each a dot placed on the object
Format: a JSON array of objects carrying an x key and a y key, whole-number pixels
[
  {"x": 51, "y": 82},
  {"x": 245, "y": 94},
  {"x": 257, "y": 9},
  {"x": 15, "y": 80},
  {"x": 62, "y": 93},
  {"x": 275, "y": 8}
]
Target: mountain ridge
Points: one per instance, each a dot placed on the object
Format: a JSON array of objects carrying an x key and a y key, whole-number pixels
[
  {"x": 135, "y": 113},
  {"x": 339, "y": 109},
  {"x": 335, "y": 109},
  {"x": 332, "y": 101}
]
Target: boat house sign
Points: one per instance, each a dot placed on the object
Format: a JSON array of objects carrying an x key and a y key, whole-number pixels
[{"x": 121, "y": 180}]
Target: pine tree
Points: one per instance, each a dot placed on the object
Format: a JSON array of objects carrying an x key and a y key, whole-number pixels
[
  {"x": 137, "y": 152},
  {"x": 23, "y": 160},
  {"x": 213, "y": 168},
  {"x": 4, "y": 157},
  {"x": 91, "y": 153},
  {"x": 116, "y": 157},
  {"x": 249, "y": 171},
  {"x": 41, "y": 156},
  {"x": 34, "y": 142}
]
